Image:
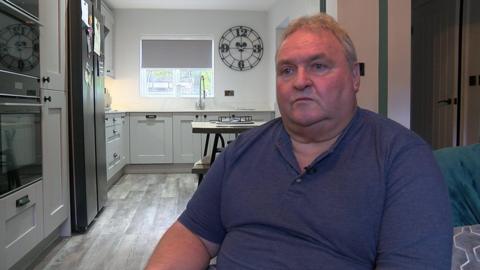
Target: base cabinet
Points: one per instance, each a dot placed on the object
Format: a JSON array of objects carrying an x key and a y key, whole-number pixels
[
  {"x": 21, "y": 223},
  {"x": 151, "y": 138},
  {"x": 116, "y": 136},
  {"x": 55, "y": 159},
  {"x": 187, "y": 146}
]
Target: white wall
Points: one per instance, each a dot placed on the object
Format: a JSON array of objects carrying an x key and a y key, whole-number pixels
[
  {"x": 399, "y": 40},
  {"x": 360, "y": 19},
  {"x": 279, "y": 15},
  {"x": 251, "y": 87}
]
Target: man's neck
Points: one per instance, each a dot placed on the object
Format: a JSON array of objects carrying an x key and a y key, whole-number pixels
[
  {"x": 312, "y": 141},
  {"x": 306, "y": 152}
]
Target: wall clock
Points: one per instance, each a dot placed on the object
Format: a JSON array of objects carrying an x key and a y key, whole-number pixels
[
  {"x": 19, "y": 48},
  {"x": 240, "y": 48}
]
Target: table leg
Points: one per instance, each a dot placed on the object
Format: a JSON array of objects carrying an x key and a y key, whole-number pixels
[
  {"x": 215, "y": 148},
  {"x": 207, "y": 139}
]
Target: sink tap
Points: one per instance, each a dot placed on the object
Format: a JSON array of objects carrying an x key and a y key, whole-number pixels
[{"x": 201, "y": 94}]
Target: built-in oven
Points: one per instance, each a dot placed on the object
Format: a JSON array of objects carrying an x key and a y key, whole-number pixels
[
  {"x": 21, "y": 144},
  {"x": 20, "y": 106}
]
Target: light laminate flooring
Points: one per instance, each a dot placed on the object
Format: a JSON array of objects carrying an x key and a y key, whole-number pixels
[{"x": 139, "y": 210}]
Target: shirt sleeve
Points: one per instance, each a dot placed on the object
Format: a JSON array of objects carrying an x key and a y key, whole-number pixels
[
  {"x": 416, "y": 230},
  {"x": 202, "y": 214}
]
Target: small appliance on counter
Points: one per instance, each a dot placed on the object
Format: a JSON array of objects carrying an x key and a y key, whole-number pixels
[{"x": 108, "y": 100}]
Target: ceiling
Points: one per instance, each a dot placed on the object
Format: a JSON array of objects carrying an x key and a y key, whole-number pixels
[{"x": 254, "y": 5}]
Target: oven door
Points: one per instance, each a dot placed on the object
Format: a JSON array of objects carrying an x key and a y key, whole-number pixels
[{"x": 21, "y": 145}]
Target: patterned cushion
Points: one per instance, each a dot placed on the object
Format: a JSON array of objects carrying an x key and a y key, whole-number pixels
[{"x": 466, "y": 248}]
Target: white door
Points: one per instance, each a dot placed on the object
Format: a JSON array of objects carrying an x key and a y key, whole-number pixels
[
  {"x": 52, "y": 16},
  {"x": 55, "y": 159},
  {"x": 187, "y": 146}
]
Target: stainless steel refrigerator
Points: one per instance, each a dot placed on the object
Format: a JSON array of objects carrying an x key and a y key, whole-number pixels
[{"x": 88, "y": 171}]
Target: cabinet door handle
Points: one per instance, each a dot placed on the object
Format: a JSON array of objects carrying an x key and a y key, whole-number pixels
[
  {"x": 45, "y": 79},
  {"x": 196, "y": 116},
  {"x": 22, "y": 201},
  {"x": 115, "y": 155},
  {"x": 114, "y": 131},
  {"x": 49, "y": 98},
  {"x": 150, "y": 116}
]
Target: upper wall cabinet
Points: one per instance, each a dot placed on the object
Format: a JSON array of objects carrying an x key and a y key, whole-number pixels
[
  {"x": 52, "y": 16},
  {"x": 109, "y": 35}
]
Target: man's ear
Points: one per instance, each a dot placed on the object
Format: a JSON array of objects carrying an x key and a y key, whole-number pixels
[{"x": 356, "y": 76}]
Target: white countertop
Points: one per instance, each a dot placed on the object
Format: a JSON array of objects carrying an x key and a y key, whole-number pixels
[{"x": 190, "y": 110}]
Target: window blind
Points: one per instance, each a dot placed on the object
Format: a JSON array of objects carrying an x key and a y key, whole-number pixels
[{"x": 161, "y": 53}]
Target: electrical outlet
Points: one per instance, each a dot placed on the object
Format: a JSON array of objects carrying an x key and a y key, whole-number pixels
[{"x": 229, "y": 93}]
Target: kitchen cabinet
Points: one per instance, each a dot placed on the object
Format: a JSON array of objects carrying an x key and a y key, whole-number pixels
[
  {"x": 21, "y": 223},
  {"x": 109, "y": 40},
  {"x": 125, "y": 123},
  {"x": 116, "y": 136},
  {"x": 187, "y": 147},
  {"x": 151, "y": 138},
  {"x": 52, "y": 16},
  {"x": 55, "y": 159}
]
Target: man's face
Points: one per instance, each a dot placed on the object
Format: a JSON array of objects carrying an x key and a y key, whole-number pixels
[{"x": 314, "y": 80}]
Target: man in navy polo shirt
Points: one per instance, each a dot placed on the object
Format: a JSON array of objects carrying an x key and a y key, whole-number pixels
[{"x": 326, "y": 186}]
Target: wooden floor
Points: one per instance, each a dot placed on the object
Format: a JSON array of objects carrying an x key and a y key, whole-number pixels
[{"x": 140, "y": 208}]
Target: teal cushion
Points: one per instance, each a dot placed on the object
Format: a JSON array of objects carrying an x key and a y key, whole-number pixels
[{"x": 461, "y": 169}]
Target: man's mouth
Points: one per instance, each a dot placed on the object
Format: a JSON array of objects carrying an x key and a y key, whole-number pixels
[{"x": 301, "y": 99}]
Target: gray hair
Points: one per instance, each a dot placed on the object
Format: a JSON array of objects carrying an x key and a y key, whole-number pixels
[{"x": 323, "y": 22}]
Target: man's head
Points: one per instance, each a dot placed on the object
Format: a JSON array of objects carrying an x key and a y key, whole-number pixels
[{"x": 317, "y": 75}]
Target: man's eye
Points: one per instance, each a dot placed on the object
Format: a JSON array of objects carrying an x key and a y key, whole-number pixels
[
  {"x": 318, "y": 67},
  {"x": 286, "y": 71}
]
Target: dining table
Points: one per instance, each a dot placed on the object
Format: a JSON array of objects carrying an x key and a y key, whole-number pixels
[{"x": 217, "y": 128}]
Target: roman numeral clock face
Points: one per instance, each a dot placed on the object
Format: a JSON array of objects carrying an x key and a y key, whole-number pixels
[
  {"x": 240, "y": 48},
  {"x": 19, "y": 49}
]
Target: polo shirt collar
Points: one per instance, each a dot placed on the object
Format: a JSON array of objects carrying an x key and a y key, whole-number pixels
[{"x": 283, "y": 143}]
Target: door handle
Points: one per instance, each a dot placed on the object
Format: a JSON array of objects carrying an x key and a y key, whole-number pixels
[
  {"x": 447, "y": 101},
  {"x": 22, "y": 201}
]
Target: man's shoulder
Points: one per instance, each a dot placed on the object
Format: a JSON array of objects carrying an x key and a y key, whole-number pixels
[
  {"x": 386, "y": 136},
  {"x": 387, "y": 128}
]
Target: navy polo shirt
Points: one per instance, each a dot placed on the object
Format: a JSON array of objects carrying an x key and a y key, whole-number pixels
[{"x": 375, "y": 200}]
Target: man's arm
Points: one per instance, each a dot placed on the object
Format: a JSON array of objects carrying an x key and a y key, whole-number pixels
[
  {"x": 179, "y": 248},
  {"x": 416, "y": 230}
]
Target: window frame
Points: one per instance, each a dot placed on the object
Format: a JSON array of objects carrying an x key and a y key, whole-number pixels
[{"x": 141, "y": 80}]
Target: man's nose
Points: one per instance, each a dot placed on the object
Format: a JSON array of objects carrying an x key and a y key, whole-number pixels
[{"x": 302, "y": 79}]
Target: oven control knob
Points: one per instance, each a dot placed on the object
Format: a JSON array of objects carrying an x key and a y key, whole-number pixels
[{"x": 49, "y": 98}]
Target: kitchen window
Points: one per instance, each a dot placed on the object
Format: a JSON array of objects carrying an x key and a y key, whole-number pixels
[{"x": 173, "y": 67}]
